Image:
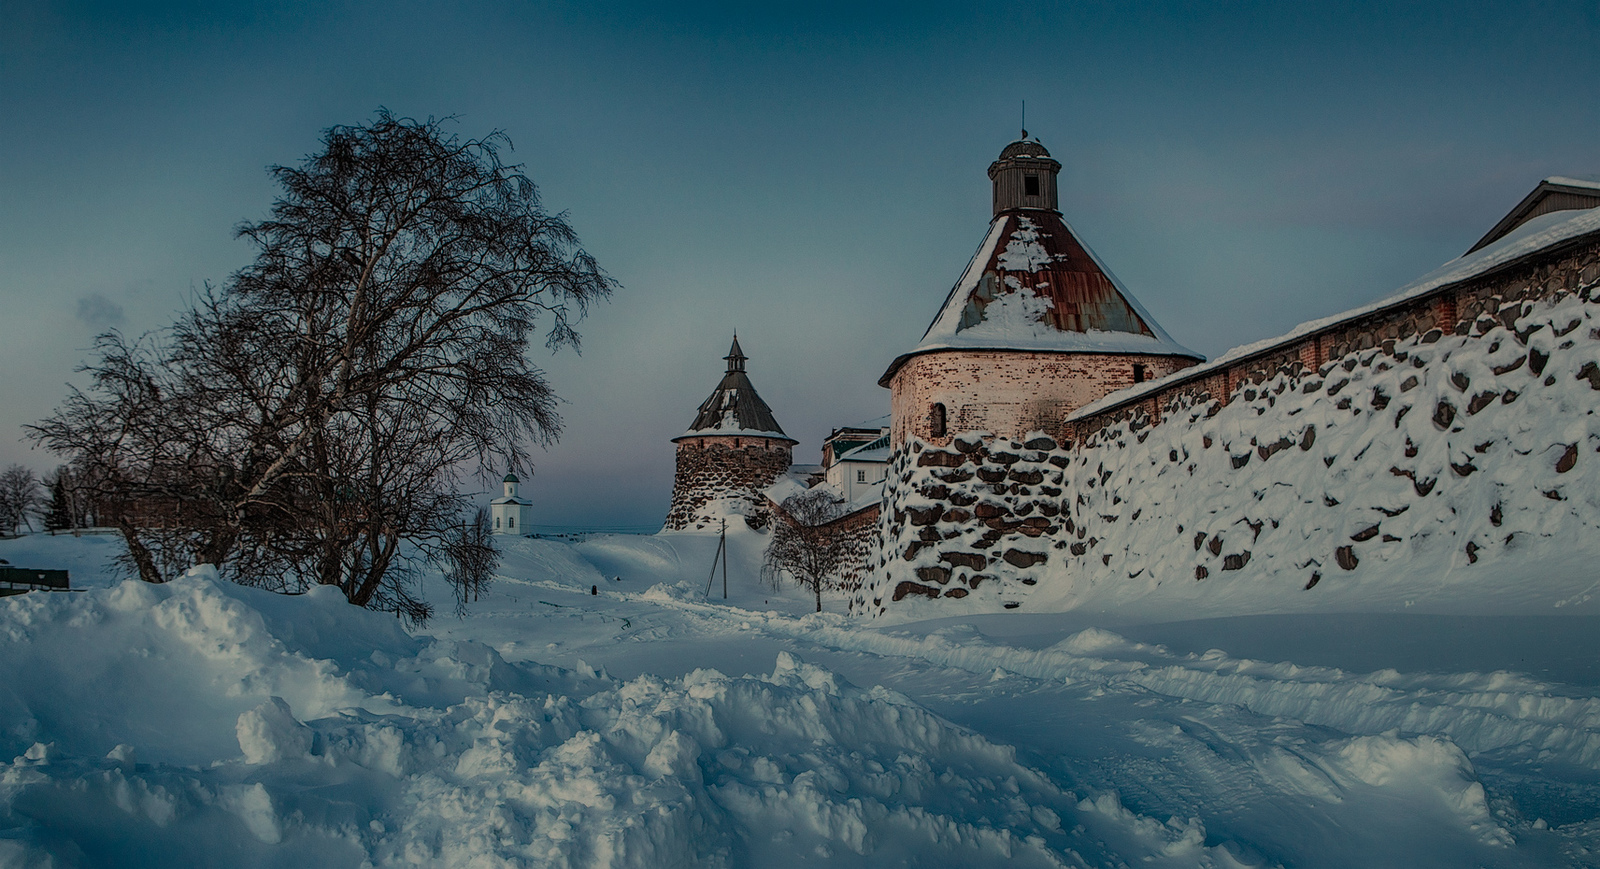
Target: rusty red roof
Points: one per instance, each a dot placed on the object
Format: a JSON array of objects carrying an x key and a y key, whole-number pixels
[{"x": 1033, "y": 285}]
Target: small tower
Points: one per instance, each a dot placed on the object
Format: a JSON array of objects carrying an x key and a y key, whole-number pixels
[
  {"x": 510, "y": 514},
  {"x": 1036, "y": 327},
  {"x": 732, "y": 451}
]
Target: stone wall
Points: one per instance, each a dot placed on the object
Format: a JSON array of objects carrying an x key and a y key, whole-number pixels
[
  {"x": 1466, "y": 308},
  {"x": 1400, "y": 407},
  {"x": 719, "y": 475},
  {"x": 979, "y": 514},
  {"x": 1008, "y": 393}
]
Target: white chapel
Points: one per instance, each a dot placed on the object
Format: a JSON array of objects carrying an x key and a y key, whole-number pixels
[{"x": 510, "y": 513}]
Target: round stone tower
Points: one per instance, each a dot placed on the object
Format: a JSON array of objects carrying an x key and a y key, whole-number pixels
[
  {"x": 732, "y": 451},
  {"x": 1036, "y": 327}
]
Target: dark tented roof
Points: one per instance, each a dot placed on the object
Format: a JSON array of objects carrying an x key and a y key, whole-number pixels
[{"x": 734, "y": 408}]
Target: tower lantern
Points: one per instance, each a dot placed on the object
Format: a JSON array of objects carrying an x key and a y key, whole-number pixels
[{"x": 1024, "y": 177}]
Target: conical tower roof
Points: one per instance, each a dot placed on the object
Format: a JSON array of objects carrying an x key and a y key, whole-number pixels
[
  {"x": 1033, "y": 285},
  {"x": 734, "y": 408}
]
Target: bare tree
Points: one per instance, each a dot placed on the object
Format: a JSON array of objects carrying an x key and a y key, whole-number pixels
[
  {"x": 806, "y": 544},
  {"x": 20, "y": 498},
  {"x": 309, "y": 422}
]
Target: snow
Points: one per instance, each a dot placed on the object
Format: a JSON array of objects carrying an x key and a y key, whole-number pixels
[
  {"x": 202, "y": 724},
  {"x": 1537, "y": 234},
  {"x": 1012, "y": 319}
]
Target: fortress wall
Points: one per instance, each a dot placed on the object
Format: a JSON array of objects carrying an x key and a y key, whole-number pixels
[{"x": 1446, "y": 431}]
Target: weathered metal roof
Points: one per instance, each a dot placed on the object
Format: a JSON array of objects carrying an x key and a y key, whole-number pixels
[
  {"x": 1024, "y": 148},
  {"x": 1034, "y": 286},
  {"x": 734, "y": 408}
]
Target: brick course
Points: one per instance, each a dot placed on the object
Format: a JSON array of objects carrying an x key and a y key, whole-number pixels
[{"x": 1008, "y": 393}]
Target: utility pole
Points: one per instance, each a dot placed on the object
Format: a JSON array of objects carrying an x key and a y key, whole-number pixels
[{"x": 722, "y": 555}]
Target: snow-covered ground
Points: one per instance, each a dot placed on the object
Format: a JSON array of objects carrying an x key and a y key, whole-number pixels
[{"x": 647, "y": 724}]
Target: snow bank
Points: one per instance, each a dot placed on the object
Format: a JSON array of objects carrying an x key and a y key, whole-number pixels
[{"x": 203, "y": 724}]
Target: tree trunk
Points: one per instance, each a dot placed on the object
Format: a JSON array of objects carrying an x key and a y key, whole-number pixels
[{"x": 139, "y": 552}]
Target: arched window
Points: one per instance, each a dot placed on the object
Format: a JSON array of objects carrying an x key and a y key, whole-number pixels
[
  {"x": 497, "y": 522},
  {"x": 936, "y": 421},
  {"x": 511, "y": 521}
]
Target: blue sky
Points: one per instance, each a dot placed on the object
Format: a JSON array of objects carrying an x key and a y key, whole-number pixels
[{"x": 812, "y": 175}]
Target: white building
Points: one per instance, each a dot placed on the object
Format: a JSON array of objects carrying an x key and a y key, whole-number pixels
[
  {"x": 856, "y": 458},
  {"x": 510, "y": 513}
]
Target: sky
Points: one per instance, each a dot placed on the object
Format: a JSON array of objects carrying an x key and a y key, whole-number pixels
[{"x": 810, "y": 175}]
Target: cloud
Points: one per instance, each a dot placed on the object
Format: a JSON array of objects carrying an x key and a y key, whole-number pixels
[{"x": 98, "y": 311}]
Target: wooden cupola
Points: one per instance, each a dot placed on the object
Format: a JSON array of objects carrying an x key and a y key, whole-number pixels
[{"x": 1024, "y": 177}]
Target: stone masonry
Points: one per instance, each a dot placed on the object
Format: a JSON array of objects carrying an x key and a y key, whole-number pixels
[
  {"x": 1003, "y": 507},
  {"x": 719, "y": 475}
]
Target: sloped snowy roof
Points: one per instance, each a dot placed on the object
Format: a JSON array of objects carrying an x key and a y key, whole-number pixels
[
  {"x": 1034, "y": 286},
  {"x": 1556, "y": 193},
  {"x": 1544, "y": 231},
  {"x": 734, "y": 408},
  {"x": 875, "y": 451}
]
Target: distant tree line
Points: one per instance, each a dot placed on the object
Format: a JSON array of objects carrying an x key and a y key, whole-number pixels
[{"x": 309, "y": 421}]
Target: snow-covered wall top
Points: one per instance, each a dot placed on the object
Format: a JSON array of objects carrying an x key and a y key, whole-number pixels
[{"x": 1538, "y": 234}]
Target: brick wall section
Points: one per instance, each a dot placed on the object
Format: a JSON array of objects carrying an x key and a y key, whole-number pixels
[
  {"x": 1458, "y": 309},
  {"x": 715, "y": 469},
  {"x": 1008, "y": 393}
]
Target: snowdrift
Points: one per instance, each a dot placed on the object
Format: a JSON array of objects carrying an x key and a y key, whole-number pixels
[{"x": 203, "y": 724}]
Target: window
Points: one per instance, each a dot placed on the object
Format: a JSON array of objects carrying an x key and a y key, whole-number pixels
[
  {"x": 1030, "y": 185},
  {"x": 511, "y": 521},
  {"x": 497, "y": 523},
  {"x": 1139, "y": 375},
  {"x": 861, "y": 476},
  {"x": 936, "y": 421},
  {"x": 735, "y": 443}
]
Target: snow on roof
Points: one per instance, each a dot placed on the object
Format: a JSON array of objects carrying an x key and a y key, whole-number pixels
[
  {"x": 734, "y": 408},
  {"x": 875, "y": 451},
  {"x": 1034, "y": 286},
  {"x": 1592, "y": 183},
  {"x": 1531, "y": 237}
]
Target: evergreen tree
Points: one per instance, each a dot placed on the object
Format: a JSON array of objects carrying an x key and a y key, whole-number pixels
[{"x": 58, "y": 514}]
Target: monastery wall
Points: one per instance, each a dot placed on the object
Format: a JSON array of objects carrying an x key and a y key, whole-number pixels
[
  {"x": 1421, "y": 439},
  {"x": 719, "y": 475},
  {"x": 1468, "y": 308}
]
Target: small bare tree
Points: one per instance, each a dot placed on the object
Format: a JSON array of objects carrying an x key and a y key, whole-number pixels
[
  {"x": 806, "y": 544},
  {"x": 20, "y": 498}
]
